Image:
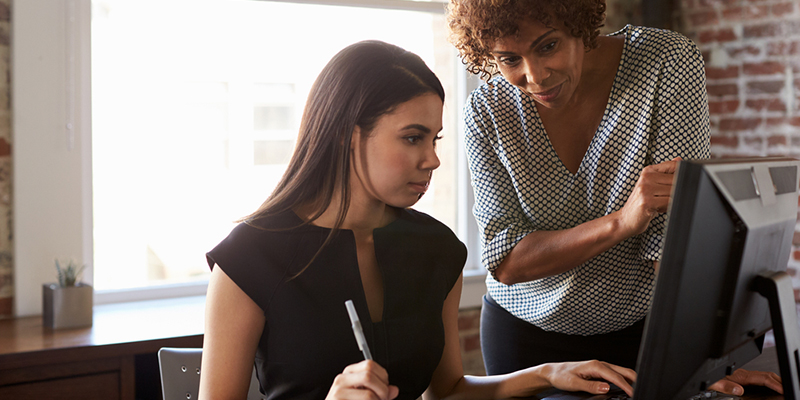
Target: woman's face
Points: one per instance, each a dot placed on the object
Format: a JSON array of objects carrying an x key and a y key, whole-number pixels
[
  {"x": 393, "y": 165},
  {"x": 545, "y": 63}
]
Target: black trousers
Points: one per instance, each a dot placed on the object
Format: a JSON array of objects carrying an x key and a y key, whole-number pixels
[{"x": 510, "y": 344}]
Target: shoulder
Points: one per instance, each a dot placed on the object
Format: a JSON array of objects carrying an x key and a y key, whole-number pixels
[
  {"x": 251, "y": 238},
  {"x": 490, "y": 95},
  {"x": 431, "y": 231},
  {"x": 657, "y": 43}
]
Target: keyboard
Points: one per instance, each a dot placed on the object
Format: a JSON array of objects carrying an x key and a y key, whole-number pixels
[{"x": 617, "y": 394}]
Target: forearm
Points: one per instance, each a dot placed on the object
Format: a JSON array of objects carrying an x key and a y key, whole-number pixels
[
  {"x": 545, "y": 253},
  {"x": 517, "y": 384}
]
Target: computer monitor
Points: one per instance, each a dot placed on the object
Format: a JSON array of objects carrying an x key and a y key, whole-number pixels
[{"x": 729, "y": 234}]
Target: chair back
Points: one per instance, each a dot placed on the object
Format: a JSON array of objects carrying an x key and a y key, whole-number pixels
[{"x": 180, "y": 374}]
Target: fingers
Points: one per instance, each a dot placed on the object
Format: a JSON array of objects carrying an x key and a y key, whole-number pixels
[
  {"x": 365, "y": 380},
  {"x": 728, "y": 387},
  {"x": 591, "y": 376},
  {"x": 759, "y": 378},
  {"x": 667, "y": 167}
]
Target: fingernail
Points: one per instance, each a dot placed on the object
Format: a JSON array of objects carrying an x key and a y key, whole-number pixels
[
  {"x": 604, "y": 388},
  {"x": 738, "y": 391}
]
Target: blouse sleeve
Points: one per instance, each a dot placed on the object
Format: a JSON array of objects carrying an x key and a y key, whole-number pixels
[
  {"x": 681, "y": 127},
  {"x": 497, "y": 209}
]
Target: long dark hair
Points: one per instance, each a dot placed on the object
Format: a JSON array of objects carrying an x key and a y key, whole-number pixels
[{"x": 358, "y": 85}]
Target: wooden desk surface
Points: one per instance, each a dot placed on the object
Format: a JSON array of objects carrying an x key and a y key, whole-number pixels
[{"x": 129, "y": 328}]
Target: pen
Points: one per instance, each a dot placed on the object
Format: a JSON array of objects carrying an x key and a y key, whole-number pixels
[{"x": 357, "y": 331}]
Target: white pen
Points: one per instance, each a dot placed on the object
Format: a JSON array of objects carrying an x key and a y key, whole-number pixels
[{"x": 357, "y": 331}]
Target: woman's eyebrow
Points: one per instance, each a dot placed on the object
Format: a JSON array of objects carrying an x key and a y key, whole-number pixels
[
  {"x": 418, "y": 127},
  {"x": 534, "y": 44}
]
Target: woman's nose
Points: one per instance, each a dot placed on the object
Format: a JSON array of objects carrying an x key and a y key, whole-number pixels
[
  {"x": 431, "y": 160},
  {"x": 535, "y": 73}
]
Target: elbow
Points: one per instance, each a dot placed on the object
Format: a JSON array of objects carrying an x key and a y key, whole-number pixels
[{"x": 505, "y": 275}]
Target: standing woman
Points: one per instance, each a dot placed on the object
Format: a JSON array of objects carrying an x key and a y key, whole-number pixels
[
  {"x": 337, "y": 228},
  {"x": 572, "y": 149}
]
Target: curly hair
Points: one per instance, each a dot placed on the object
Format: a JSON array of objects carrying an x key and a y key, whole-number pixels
[{"x": 476, "y": 24}]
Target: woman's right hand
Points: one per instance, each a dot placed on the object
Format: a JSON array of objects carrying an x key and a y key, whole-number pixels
[
  {"x": 365, "y": 380},
  {"x": 649, "y": 197},
  {"x": 589, "y": 376}
]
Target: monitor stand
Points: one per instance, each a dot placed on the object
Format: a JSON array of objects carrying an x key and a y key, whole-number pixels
[{"x": 777, "y": 288}]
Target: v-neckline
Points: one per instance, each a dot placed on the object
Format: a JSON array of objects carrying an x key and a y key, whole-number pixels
[{"x": 603, "y": 121}]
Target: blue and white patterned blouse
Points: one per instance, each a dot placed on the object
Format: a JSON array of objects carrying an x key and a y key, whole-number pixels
[{"x": 657, "y": 110}]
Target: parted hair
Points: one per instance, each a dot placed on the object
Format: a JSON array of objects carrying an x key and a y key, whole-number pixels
[
  {"x": 359, "y": 84},
  {"x": 474, "y": 25}
]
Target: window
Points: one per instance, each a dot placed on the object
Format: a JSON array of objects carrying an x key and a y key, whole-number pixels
[{"x": 192, "y": 115}]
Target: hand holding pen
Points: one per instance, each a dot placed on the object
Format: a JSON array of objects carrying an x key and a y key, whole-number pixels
[{"x": 365, "y": 375}]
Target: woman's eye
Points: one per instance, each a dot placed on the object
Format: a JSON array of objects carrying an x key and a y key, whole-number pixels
[
  {"x": 548, "y": 47},
  {"x": 436, "y": 139},
  {"x": 508, "y": 60},
  {"x": 413, "y": 139}
]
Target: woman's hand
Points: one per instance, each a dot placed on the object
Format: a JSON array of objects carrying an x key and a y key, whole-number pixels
[
  {"x": 649, "y": 197},
  {"x": 589, "y": 376},
  {"x": 732, "y": 384},
  {"x": 365, "y": 380}
]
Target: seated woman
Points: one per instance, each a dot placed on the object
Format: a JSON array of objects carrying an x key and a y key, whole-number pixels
[{"x": 338, "y": 228}]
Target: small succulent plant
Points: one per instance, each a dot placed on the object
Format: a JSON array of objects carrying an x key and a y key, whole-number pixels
[{"x": 70, "y": 274}]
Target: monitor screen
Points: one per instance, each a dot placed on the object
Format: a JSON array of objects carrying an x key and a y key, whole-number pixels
[{"x": 729, "y": 222}]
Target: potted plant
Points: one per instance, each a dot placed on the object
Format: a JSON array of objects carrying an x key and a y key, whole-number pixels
[{"x": 68, "y": 303}]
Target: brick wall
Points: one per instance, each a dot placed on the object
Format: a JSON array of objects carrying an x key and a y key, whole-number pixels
[
  {"x": 752, "y": 54},
  {"x": 6, "y": 265}
]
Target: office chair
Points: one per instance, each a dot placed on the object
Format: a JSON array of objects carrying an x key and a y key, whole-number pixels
[{"x": 180, "y": 374}]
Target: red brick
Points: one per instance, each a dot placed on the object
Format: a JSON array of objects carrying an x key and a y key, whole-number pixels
[
  {"x": 796, "y": 236},
  {"x": 471, "y": 342},
  {"x": 764, "y": 68},
  {"x": 704, "y": 18},
  {"x": 736, "y": 52},
  {"x": 723, "y": 107},
  {"x": 469, "y": 321},
  {"x": 722, "y": 35},
  {"x": 794, "y": 121},
  {"x": 753, "y": 141},
  {"x": 731, "y": 71},
  {"x": 755, "y": 12},
  {"x": 775, "y": 121},
  {"x": 725, "y": 89},
  {"x": 739, "y": 124},
  {"x": 726, "y": 141},
  {"x": 760, "y": 31},
  {"x": 783, "y": 48},
  {"x": 732, "y": 14},
  {"x": 764, "y": 87},
  {"x": 782, "y": 9},
  {"x": 766, "y": 104},
  {"x": 776, "y": 140},
  {"x": 5, "y": 148}
]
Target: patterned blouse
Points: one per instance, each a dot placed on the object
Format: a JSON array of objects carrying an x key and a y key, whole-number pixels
[{"x": 657, "y": 110}]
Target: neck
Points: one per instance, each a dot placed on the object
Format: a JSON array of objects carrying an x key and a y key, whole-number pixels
[{"x": 362, "y": 215}]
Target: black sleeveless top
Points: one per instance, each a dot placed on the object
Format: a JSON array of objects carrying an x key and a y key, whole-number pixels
[{"x": 307, "y": 338}]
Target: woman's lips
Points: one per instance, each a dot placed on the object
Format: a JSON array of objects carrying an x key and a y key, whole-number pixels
[
  {"x": 420, "y": 187},
  {"x": 549, "y": 95}
]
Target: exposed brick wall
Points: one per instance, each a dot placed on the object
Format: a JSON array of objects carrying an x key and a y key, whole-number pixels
[
  {"x": 6, "y": 266},
  {"x": 469, "y": 321},
  {"x": 752, "y": 54}
]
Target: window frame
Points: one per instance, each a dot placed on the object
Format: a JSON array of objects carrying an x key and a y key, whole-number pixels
[{"x": 52, "y": 197}]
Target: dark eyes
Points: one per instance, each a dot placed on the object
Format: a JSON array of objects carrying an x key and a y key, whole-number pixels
[
  {"x": 543, "y": 50},
  {"x": 415, "y": 139}
]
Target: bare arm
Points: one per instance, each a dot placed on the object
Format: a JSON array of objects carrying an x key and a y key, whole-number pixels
[
  {"x": 233, "y": 325},
  {"x": 544, "y": 253},
  {"x": 449, "y": 382}
]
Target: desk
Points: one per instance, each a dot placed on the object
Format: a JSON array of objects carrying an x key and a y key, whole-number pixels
[{"x": 113, "y": 359}]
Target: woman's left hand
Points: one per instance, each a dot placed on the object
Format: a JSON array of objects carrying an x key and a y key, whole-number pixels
[
  {"x": 589, "y": 376},
  {"x": 733, "y": 384}
]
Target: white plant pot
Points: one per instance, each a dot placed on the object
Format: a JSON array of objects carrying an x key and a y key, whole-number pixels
[{"x": 67, "y": 307}]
